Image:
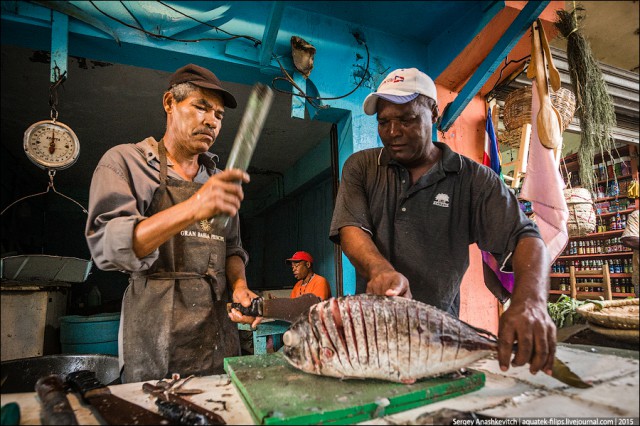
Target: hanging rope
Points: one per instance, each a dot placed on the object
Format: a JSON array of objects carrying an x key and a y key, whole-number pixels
[
  {"x": 53, "y": 92},
  {"x": 594, "y": 105}
]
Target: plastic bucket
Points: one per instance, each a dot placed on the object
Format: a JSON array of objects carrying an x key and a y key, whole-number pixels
[{"x": 93, "y": 334}]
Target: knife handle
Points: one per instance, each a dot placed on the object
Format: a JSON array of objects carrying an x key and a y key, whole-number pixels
[
  {"x": 87, "y": 384},
  {"x": 254, "y": 310},
  {"x": 55, "y": 407}
]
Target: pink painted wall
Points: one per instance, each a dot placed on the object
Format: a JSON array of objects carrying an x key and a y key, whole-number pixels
[{"x": 466, "y": 136}]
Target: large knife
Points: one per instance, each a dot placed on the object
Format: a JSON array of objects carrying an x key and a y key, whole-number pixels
[
  {"x": 114, "y": 410},
  {"x": 246, "y": 139},
  {"x": 283, "y": 308}
]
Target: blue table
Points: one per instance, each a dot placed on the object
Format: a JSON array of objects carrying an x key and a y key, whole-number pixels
[{"x": 275, "y": 328}]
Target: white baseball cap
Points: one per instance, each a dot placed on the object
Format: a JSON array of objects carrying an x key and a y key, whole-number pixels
[{"x": 401, "y": 86}]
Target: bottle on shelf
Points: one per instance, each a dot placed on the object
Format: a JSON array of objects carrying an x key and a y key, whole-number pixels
[{"x": 603, "y": 248}]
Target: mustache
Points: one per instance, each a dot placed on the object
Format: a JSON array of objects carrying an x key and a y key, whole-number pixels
[{"x": 205, "y": 131}]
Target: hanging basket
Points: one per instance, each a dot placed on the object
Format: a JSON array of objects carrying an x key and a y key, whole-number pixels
[
  {"x": 565, "y": 102},
  {"x": 517, "y": 112},
  {"x": 582, "y": 215},
  {"x": 517, "y": 108},
  {"x": 511, "y": 138}
]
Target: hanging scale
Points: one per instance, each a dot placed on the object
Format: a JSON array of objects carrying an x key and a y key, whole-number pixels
[{"x": 51, "y": 144}]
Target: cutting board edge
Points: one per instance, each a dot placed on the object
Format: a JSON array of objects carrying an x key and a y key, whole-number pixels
[
  {"x": 475, "y": 381},
  {"x": 373, "y": 411}
]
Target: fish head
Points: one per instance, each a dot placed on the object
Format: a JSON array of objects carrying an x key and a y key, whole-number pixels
[{"x": 296, "y": 346}]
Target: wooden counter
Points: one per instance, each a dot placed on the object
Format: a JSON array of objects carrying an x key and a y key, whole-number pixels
[{"x": 516, "y": 393}]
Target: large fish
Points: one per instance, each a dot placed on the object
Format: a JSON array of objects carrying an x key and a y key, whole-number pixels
[{"x": 388, "y": 338}]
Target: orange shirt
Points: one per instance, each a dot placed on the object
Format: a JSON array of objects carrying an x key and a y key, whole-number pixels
[{"x": 318, "y": 285}]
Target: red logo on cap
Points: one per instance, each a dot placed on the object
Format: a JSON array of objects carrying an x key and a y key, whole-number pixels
[{"x": 397, "y": 79}]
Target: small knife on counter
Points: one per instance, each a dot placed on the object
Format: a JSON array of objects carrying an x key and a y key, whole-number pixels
[
  {"x": 282, "y": 308},
  {"x": 180, "y": 410},
  {"x": 114, "y": 410}
]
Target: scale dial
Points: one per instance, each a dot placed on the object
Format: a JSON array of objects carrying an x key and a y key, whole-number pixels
[{"x": 51, "y": 145}]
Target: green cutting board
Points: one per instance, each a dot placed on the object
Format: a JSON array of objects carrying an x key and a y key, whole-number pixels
[{"x": 277, "y": 393}]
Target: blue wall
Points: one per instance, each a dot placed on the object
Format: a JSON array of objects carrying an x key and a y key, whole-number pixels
[{"x": 432, "y": 34}]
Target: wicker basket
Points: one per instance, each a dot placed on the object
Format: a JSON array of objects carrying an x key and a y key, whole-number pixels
[
  {"x": 565, "y": 102},
  {"x": 582, "y": 215},
  {"x": 512, "y": 138},
  {"x": 615, "y": 314},
  {"x": 517, "y": 112},
  {"x": 517, "y": 107},
  {"x": 616, "y": 334}
]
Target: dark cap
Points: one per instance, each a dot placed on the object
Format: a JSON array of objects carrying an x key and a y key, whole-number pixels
[{"x": 202, "y": 77}]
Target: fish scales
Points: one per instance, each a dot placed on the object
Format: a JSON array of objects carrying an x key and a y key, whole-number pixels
[
  {"x": 382, "y": 346},
  {"x": 423, "y": 325},
  {"x": 333, "y": 324},
  {"x": 351, "y": 335},
  {"x": 414, "y": 337},
  {"x": 360, "y": 333},
  {"x": 389, "y": 338},
  {"x": 314, "y": 348},
  {"x": 330, "y": 364},
  {"x": 392, "y": 337},
  {"x": 404, "y": 345},
  {"x": 366, "y": 307}
]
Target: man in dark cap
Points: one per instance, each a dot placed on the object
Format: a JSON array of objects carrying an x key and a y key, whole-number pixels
[{"x": 150, "y": 206}]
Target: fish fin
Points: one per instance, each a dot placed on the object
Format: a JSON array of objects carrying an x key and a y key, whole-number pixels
[
  {"x": 352, "y": 378},
  {"x": 562, "y": 373}
]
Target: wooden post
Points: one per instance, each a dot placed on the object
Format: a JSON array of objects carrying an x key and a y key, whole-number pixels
[
  {"x": 572, "y": 281},
  {"x": 606, "y": 281}
]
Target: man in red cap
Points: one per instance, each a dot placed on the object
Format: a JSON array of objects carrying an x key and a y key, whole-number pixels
[{"x": 308, "y": 281}]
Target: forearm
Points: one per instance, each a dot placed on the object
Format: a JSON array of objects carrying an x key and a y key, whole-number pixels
[
  {"x": 531, "y": 270},
  {"x": 152, "y": 232},
  {"x": 236, "y": 274},
  {"x": 358, "y": 246}
]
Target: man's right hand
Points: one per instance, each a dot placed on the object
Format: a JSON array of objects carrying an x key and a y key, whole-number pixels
[
  {"x": 365, "y": 256},
  {"x": 221, "y": 194},
  {"x": 391, "y": 283}
]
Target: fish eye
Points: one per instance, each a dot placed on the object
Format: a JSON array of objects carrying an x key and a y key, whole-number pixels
[{"x": 291, "y": 338}]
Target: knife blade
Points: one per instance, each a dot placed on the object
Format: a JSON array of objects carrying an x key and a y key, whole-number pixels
[
  {"x": 253, "y": 119},
  {"x": 180, "y": 410},
  {"x": 283, "y": 308},
  {"x": 114, "y": 410}
]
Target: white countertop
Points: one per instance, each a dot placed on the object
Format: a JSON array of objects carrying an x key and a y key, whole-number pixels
[{"x": 515, "y": 393}]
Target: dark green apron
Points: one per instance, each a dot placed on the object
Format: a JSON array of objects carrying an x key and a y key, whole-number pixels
[{"x": 174, "y": 314}]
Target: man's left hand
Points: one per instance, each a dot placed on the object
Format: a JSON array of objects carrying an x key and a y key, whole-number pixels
[
  {"x": 244, "y": 296},
  {"x": 528, "y": 323}
]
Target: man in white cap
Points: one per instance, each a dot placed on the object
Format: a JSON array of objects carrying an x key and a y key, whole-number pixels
[{"x": 406, "y": 214}]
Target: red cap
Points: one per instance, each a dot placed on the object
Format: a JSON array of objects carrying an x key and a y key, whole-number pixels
[{"x": 301, "y": 255}]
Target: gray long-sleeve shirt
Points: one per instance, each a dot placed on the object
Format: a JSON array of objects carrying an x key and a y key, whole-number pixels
[{"x": 122, "y": 188}]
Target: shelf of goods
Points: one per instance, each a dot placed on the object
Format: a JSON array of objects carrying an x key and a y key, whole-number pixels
[{"x": 602, "y": 248}]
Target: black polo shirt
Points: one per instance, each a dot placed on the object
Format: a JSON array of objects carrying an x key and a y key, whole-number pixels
[{"x": 425, "y": 230}]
